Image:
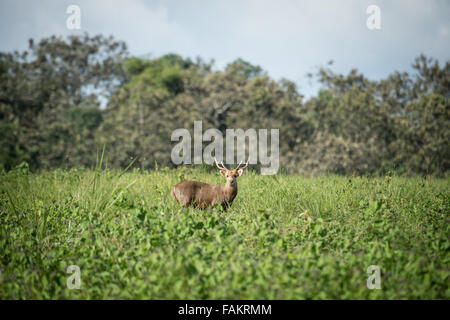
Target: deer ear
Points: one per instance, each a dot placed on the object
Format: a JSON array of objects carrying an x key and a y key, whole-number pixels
[
  {"x": 240, "y": 172},
  {"x": 223, "y": 173}
]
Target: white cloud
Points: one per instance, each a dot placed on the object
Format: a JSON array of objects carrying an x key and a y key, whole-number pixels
[{"x": 145, "y": 28}]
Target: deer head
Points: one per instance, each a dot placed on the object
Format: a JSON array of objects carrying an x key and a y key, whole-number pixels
[{"x": 231, "y": 175}]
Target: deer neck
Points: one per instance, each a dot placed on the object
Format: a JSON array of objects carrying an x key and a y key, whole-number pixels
[{"x": 229, "y": 190}]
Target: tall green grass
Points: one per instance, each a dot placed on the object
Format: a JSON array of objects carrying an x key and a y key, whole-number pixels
[{"x": 284, "y": 237}]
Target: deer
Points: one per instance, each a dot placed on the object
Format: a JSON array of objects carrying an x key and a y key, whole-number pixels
[{"x": 203, "y": 195}]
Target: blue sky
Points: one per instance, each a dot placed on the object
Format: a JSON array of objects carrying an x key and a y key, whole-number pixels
[{"x": 287, "y": 38}]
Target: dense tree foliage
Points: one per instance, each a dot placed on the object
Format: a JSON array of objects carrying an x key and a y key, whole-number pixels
[
  {"x": 50, "y": 99},
  {"x": 50, "y": 113}
]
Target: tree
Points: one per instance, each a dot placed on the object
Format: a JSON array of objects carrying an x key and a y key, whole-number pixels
[{"x": 40, "y": 84}]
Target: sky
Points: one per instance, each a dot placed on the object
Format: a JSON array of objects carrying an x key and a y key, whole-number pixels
[{"x": 286, "y": 38}]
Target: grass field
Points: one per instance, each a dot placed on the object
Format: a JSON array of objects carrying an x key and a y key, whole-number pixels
[{"x": 285, "y": 237}]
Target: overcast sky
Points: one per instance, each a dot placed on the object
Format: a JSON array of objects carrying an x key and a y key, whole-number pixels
[{"x": 287, "y": 38}]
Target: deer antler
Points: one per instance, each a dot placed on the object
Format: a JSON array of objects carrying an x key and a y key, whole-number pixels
[
  {"x": 221, "y": 163},
  {"x": 238, "y": 167}
]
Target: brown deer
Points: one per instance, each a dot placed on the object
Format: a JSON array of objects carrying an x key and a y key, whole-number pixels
[{"x": 204, "y": 195}]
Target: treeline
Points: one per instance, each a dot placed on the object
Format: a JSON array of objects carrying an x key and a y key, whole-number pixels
[{"x": 51, "y": 114}]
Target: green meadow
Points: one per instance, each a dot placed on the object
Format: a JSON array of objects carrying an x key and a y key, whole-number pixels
[{"x": 284, "y": 237}]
